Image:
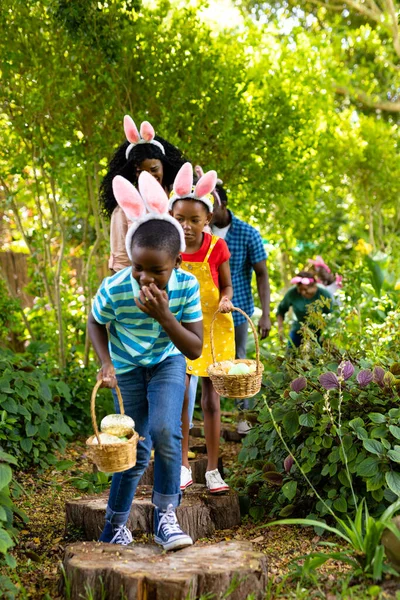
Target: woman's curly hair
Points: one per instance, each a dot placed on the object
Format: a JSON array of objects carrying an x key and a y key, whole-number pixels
[{"x": 172, "y": 161}]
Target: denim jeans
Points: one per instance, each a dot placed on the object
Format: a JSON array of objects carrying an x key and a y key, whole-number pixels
[
  {"x": 192, "y": 398},
  {"x": 153, "y": 397}
]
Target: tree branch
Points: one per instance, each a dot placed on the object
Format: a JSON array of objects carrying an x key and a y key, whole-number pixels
[{"x": 360, "y": 96}]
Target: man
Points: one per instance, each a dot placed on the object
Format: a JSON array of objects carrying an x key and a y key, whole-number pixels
[{"x": 247, "y": 254}]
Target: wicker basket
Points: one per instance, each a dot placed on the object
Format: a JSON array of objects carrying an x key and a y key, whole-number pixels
[
  {"x": 236, "y": 386},
  {"x": 111, "y": 458}
]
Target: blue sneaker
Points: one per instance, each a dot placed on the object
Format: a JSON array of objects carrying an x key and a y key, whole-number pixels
[
  {"x": 167, "y": 531},
  {"x": 116, "y": 535}
]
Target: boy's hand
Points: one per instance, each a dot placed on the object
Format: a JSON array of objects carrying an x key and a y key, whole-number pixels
[
  {"x": 107, "y": 375},
  {"x": 225, "y": 305},
  {"x": 154, "y": 302}
]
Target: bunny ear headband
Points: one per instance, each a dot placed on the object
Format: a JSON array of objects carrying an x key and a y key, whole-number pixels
[
  {"x": 199, "y": 172},
  {"x": 183, "y": 186},
  {"x": 303, "y": 280},
  {"x": 319, "y": 262},
  {"x": 146, "y": 135},
  {"x": 150, "y": 204}
]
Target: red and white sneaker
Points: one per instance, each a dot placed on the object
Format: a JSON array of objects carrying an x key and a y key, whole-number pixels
[
  {"x": 186, "y": 477},
  {"x": 215, "y": 483}
]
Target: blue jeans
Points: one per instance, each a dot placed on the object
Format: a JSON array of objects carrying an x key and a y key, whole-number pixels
[
  {"x": 295, "y": 338},
  {"x": 153, "y": 397},
  {"x": 192, "y": 398}
]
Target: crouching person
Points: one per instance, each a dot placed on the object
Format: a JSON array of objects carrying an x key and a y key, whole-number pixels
[{"x": 155, "y": 321}]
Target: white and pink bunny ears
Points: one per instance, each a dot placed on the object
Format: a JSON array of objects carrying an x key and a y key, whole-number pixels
[
  {"x": 183, "y": 186},
  {"x": 150, "y": 204},
  {"x": 146, "y": 135}
]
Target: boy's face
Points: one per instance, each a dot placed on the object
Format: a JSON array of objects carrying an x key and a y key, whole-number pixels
[{"x": 150, "y": 265}]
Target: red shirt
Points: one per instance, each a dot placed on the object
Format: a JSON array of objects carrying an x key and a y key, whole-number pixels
[{"x": 220, "y": 254}]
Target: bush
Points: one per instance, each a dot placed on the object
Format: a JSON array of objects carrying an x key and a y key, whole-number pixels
[
  {"x": 32, "y": 424},
  {"x": 341, "y": 421}
]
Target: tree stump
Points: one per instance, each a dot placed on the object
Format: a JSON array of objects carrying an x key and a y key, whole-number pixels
[
  {"x": 228, "y": 431},
  {"x": 198, "y": 465},
  {"x": 199, "y": 514},
  {"x": 144, "y": 572}
]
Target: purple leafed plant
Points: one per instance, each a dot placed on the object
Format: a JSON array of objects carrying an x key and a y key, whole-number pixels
[
  {"x": 288, "y": 463},
  {"x": 378, "y": 376},
  {"x": 345, "y": 369},
  {"x": 298, "y": 384},
  {"x": 329, "y": 381},
  {"x": 365, "y": 377}
]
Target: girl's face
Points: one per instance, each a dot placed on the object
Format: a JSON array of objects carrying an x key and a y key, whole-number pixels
[
  {"x": 307, "y": 291},
  {"x": 152, "y": 166},
  {"x": 193, "y": 216}
]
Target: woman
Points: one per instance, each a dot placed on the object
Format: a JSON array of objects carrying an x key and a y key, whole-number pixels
[{"x": 142, "y": 151}]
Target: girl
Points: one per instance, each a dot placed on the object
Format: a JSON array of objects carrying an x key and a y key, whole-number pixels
[
  {"x": 299, "y": 297},
  {"x": 141, "y": 152},
  {"x": 206, "y": 257},
  {"x": 331, "y": 282}
]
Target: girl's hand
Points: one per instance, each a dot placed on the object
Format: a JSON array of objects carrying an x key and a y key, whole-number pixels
[
  {"x": 225, "y": 305},
  {"x": 154, "y": 302},
  {"x": 107, "y": 375}
]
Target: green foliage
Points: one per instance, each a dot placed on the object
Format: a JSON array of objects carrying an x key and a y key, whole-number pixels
[
  {"x": 32, "y": 424},
  {"x": 363, "y": 534},
  {"x": 346, "y": 440},
  {"x": 9, "y": 490}
]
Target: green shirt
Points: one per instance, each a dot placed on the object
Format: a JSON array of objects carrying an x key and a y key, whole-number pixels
[{"x": 299, "y": 304}]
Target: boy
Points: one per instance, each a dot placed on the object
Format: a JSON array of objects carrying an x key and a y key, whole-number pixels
[{"x": 155, "y": 318}]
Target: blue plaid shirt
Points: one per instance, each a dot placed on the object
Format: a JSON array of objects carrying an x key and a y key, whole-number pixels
[{"x": 247, "y": 249}]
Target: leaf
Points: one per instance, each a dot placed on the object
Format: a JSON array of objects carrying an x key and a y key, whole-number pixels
[
  {"x": 377, "y": 275},
  {"x": 378, "y": 562},
  {"x": 5, "y": 541},
  {"x": 373, "y": 446},
  {"x": 288, "y": 463},
  {"x": 26, "y": 444},
  {"x": 4, "y": 457},
  {"x": 395, "y": 431},
  {"x": 63, "y": 465},
  {"x": 310, "y": 523},
  {"x": 298, "y": 384},
  {"x": 10, "y": 406},
  {"x": 394, "y": 455},
  {"x": 365, "y": 377},
  {"x": 345, "y": 370},
  {"x": 289, "y": 490},
  {"x": 274, "y": 478},
  {"x": 357, "y": 422},
  {"x": 340, "y": 504},
  {"x": 307, "y": 420},
  {"x": 378, "y": 374},
  {"x": 291, "y": 422},
  {"x": 5, "y": 475},
  {"x": 44, "y": 430},
  {"x": 287, "y": 510},
  {"x": 393, "y": 481},
  {"x": 368, "y": 467},
  {"x": 30, "y": 429},
  {"x": 377, "y": 418},
  {"x": 257, "y": 512},
  {"x": 329, "y": 381},
  {"x": 395, "y": 368}
]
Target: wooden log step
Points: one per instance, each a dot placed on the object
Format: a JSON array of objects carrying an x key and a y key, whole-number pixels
[
  {"x": 228, "y": 431},
  {"x": 199, "y": 514},
  {"x": 145, "y": 572},
  {"x": 198, "y": 465}
]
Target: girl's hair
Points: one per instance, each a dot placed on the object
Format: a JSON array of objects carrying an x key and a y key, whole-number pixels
[{"x": 172, "y": 161}]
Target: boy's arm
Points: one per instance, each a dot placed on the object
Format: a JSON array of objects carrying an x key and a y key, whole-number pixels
[
  {"x": 187, "y": 337},
  {"x": 99, "y": 338}
]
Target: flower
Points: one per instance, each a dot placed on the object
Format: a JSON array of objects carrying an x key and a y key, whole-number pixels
[
  {"x": 288, "y": 463},
  {"x": 298, "y": 384},
  {"x": 363, "y": 247},
  {"x": 329, "y": 381},
  {"x": 345, "y": 369},
  {"x": 365, "y": 377}
]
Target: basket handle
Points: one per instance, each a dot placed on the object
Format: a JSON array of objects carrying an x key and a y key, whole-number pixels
[
  {"x": 252, "y": 328},
  {"x": 93, "y": 403}
]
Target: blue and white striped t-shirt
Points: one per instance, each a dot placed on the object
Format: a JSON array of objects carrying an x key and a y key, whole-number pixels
[{"x": 137, "y": 340}]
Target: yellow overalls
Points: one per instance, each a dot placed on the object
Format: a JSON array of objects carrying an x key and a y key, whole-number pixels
[{"x": 224, "y": 336}]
